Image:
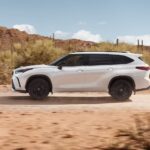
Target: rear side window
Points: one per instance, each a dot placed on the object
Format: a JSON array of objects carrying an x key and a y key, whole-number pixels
[
  {"x": 102, "y": 59},
  {"x": 108, "y": 59},
  {"x": 118, "y": 59}
]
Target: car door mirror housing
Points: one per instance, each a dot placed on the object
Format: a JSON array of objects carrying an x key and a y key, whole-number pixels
[{"x": 60, "y": 67}]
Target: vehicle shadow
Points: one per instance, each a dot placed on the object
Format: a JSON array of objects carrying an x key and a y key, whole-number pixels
[{"x": 57, "y": 100}]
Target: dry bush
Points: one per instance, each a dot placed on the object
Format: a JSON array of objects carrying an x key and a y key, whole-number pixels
[
  {"x": 5, "y": 74},
  {"x": 34, "y": 52},
  {"x": 38, "y": 52},
  {"x": 45, "y": 51},
  {"x": 5, "y": 67}
]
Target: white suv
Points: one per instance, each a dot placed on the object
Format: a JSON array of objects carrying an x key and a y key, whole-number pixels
[{"x": 119, "y": 74}]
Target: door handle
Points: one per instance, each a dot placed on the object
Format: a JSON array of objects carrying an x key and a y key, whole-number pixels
[
  {"x": 80, "y": 70},
  {"x": 110, "y": 69}
]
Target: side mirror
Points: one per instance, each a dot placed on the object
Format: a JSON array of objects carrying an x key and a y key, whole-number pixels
[{"x": 60, "y": 67}]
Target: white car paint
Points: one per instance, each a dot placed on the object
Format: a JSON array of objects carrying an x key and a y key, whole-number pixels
[{"x": 85, "y": 78}]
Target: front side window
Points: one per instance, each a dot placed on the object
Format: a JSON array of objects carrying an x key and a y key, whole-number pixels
[{"x": 71, "y": 60}]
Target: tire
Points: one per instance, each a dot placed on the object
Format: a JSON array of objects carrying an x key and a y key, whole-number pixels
[
  {"x": 121, "y": 90},
  {"x": 38, "y": 89}
]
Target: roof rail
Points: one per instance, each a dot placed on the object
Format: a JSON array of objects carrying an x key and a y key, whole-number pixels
[
  {"x": 119, "y": 51},
  {"x": 103, "y": 51}
]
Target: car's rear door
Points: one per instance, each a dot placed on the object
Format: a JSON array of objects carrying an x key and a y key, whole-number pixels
[{"x": 98, "y": 71}]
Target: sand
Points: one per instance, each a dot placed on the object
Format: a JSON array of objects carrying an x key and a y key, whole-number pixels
[{"x": 77, "y": 121}]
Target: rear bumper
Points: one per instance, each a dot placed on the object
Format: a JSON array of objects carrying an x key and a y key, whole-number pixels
[{"x": 138, "y": 90}]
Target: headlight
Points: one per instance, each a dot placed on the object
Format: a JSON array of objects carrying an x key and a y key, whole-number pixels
[{"x": 22, "y": 70}]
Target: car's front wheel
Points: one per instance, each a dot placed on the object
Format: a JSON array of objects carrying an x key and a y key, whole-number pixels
[
  {"x": 121, "y": 90},
  {"x": 38, "y": 88}
]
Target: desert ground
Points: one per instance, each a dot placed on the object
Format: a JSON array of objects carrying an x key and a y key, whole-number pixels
[{"x": 66, "y": 121}]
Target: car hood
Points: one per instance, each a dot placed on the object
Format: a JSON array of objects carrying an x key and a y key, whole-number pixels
[{"x": 35, "y": 67}]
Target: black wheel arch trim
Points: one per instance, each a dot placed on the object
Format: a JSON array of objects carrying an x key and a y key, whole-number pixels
[{"x": 39, "y": 76}]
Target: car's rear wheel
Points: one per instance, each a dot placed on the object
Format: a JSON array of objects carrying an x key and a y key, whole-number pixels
[
  {"x": 121, "y": 90},
  {"x": 38, "y": 88}
]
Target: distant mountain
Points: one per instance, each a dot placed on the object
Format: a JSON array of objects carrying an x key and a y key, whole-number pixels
[{"x": 10, "y": 36}]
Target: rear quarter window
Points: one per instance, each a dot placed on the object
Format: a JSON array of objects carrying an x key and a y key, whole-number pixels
[{"x": 141, "y": 58}]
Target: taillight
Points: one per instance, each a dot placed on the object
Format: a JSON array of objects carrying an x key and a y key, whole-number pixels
[{"x": 145, "y": 68}]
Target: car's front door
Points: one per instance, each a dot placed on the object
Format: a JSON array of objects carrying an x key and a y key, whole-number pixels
[{"x": 71, "y": 76}]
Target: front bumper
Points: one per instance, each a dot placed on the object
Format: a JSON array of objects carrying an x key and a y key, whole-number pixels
[
  {"x": 15, "y": 83},
  {"x": 16, "y": 86},
  {"x": 13, "y": 86}
]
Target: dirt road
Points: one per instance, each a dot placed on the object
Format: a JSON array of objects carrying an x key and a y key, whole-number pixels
[
  {"x": 140, "y": 101},
  {"x": 66, "y": 121}
]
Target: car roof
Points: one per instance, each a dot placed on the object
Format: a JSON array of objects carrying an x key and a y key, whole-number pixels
[{"x": 109, "y": 52}]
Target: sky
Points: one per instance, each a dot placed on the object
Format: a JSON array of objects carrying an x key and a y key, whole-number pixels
[{"x": 91, "y": 20}]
